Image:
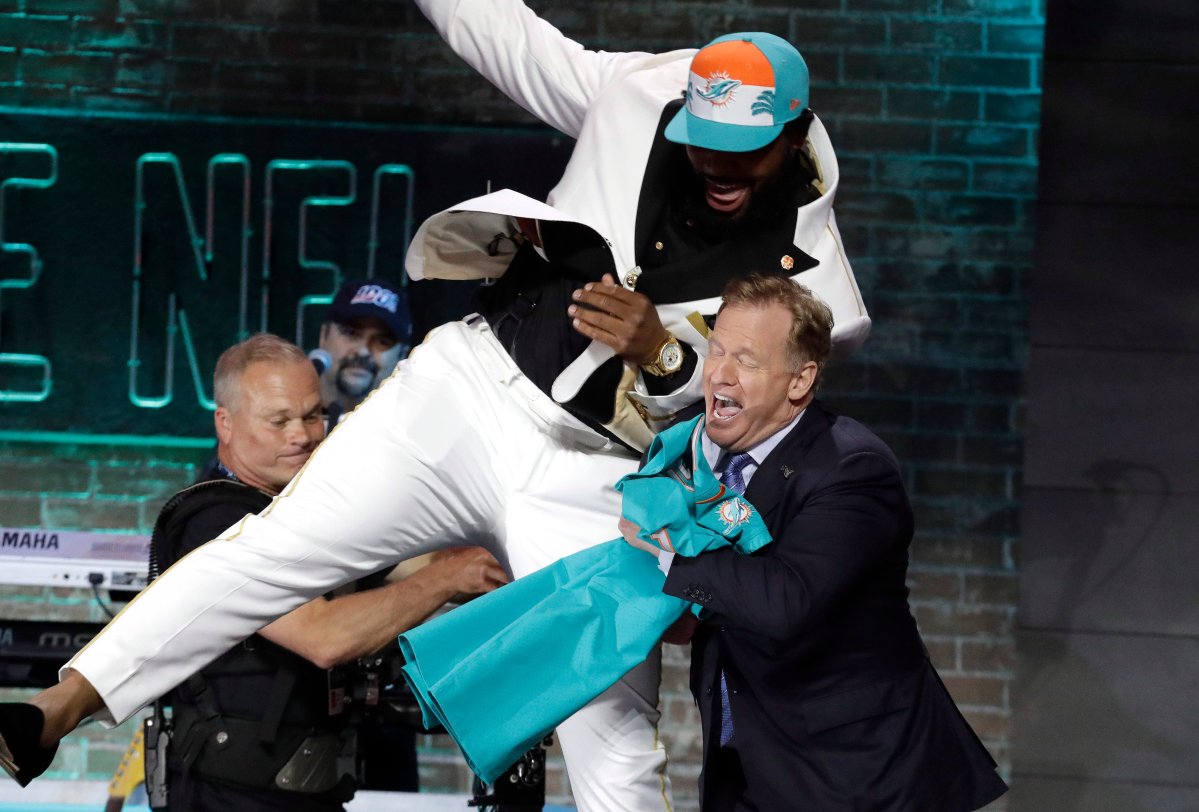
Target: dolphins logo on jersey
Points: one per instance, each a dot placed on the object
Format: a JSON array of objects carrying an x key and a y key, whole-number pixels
[{"x": 734, "y": 513}]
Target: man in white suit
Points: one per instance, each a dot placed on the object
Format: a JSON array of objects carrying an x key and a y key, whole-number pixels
[{"x": 509, "y": 428}]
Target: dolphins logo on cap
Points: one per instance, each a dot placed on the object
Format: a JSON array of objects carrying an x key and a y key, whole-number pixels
[{"x": 719, "y": 90}]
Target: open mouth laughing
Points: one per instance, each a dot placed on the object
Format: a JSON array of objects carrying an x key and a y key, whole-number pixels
[
  {"x": 726, "y": 196},
  {"x": 724, "y": 408}
]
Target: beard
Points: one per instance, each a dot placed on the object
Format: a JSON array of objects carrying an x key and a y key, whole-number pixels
[
  {"x": 776, "y": 198},
  {"x": 355, "y": 387}
]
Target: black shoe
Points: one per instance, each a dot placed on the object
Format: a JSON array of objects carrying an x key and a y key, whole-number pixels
[{"x": 21, "y": 752}]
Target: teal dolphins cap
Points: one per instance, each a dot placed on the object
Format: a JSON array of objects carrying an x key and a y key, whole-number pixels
[{"x": 741, "y": 91}]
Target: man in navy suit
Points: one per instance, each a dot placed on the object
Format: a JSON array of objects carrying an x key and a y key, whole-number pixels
[{"x": 814, "y": 687}]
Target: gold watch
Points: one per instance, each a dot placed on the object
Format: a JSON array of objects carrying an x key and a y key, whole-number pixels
[{"x": 666, "y": 360}]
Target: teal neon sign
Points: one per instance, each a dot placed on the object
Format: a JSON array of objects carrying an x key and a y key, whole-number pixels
[
  {"x": 135, "y": 248},
  {"x": 202, "y": 251},
  {"x": 34, "y": 266}
]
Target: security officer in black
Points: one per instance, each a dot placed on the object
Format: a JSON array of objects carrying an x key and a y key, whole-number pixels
[{"x": 262, "y": 727}]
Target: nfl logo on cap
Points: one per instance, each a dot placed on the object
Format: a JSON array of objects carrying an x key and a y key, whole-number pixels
[{"x": 741, "y": 91}]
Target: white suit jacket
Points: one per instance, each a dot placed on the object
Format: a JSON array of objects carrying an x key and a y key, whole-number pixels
[{"x": 611, "y": 103}]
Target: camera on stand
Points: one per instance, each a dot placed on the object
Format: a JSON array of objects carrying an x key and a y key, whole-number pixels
[
  {"x": 520, "y": 789},
  {"x": 374, "y": 686}
]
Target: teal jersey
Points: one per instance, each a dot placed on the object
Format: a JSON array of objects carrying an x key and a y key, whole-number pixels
[{"x": 502, "y": 671}]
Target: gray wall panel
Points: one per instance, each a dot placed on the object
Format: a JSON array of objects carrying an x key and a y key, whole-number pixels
[
  {"x": 1105, "y": 720},
  {"x": 1096, "y": 260},
  {"x": 1107, "y": 707},
  {"x": 1148, "y": 30},
  {"x": 1065, "y": 795},
  {"x": 1117, "y": 133},
  {"x": 1087, "y": 408},
  {"x": 1119, "y": 558}
]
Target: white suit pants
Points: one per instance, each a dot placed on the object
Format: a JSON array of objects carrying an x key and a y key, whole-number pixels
[{"x": 457, "y": 447}]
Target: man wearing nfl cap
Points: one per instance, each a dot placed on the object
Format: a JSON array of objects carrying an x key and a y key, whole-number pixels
[
  {"x": 509, "y": 428},
  {"x": 366, "y": 331}
]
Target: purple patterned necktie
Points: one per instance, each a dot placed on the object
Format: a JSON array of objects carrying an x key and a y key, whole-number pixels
[
  {"x": 733, "y": 467},
  {"x": 733, "y": 480}
]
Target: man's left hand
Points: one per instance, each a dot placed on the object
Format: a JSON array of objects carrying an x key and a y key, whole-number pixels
[
  {"x": 623, "y": 319},
  {"x": 630, "y": 531}
]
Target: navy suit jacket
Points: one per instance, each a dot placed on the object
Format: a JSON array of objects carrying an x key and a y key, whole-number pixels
[{"x": 835, "y": 704}]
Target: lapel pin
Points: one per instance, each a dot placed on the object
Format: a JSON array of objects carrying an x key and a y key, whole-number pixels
[
  {"x": 787, "y": 262},
  {"x": 786, "y": 469}
]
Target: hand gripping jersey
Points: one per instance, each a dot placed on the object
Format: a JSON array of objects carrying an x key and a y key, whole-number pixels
[{"x": 502, "y": 671}]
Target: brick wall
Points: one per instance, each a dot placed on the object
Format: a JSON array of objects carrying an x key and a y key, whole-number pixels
[
  {"x": 933, "y": 106},
  {"x": 87, "y": 487}
]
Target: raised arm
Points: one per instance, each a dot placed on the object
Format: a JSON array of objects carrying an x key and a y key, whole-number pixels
[{"x": 530, "y": 61}]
